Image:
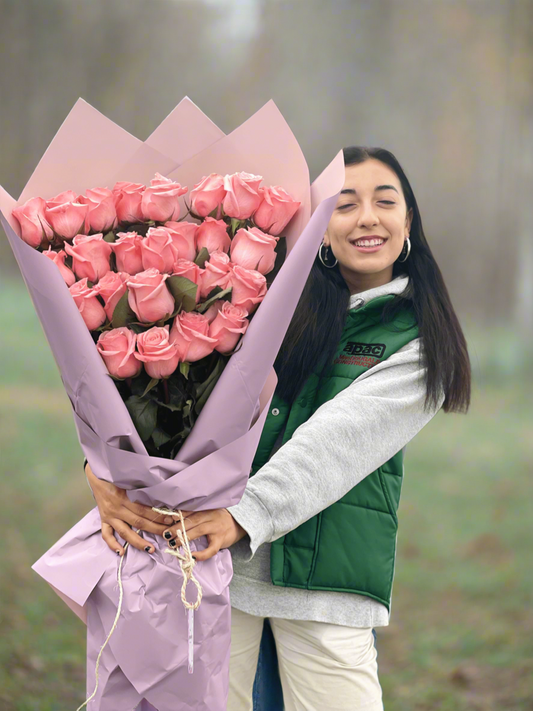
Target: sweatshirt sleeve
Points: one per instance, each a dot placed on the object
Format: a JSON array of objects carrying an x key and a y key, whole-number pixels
[{"x": 344, "y": 441}]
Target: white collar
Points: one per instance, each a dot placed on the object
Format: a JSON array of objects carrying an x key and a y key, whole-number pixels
[{"x": 396, "y": 286}]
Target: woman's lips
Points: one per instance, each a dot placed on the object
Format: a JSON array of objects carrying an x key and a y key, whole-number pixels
[{"x": 369, "y": 249}]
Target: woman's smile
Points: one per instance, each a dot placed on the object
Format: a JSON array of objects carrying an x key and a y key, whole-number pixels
[{"x": 369, "y": 244}]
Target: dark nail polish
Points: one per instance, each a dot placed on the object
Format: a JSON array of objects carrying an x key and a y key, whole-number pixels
[
  {"x": 148, "y": 549},
  {"x": 172, "y": 543},
  {"x": 117, "y": 552},
  {"x": 167, "y": 535}
]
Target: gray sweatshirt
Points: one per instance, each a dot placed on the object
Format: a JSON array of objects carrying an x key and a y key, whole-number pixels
[{"x": 348, "y": 437}]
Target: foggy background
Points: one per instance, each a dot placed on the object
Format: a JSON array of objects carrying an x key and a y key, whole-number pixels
[{"x": 446, "y": 85}]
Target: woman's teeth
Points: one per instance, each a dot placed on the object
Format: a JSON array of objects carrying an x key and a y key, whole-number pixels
[{"x": 368, "y": 242}]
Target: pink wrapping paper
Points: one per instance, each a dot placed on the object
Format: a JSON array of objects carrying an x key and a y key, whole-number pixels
[{"x": 146, "y": 657}]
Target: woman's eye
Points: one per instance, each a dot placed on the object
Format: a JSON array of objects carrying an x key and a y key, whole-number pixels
[
  {"x": 348, "y": 204},
  {"x": 387, "y": 202}
]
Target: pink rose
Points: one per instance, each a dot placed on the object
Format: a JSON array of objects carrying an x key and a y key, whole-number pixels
[
  {"x": 90, "y": 256},
  {"x": 157, "y": 250},
  {"x": 213, "y": 235},
  {"x": 33, "y": 225},
  {"x": 248, "y": 288},
  {"x": 127, "y": 251},
  {"x": 117, "y": 348},
  {"x": 101, "y": 214},
  {"x": 111, "y": 288},
  {"x": 228, "y": 326},
  {"x": 276, "y": 210},
  {"x": 215, "y": 273},
  {"x": 189, "y": 270},
  {"x": 157, "y": 352},
  {"x": 88, "y": 305},
  {"x": 149, "y": 297},
  {"x": 253, "y": 249},
  {"x": 128, "y": 198},
  {"x": 67, "y": 219},
  {"x": 160, "y": 202},
  {"x": 183, "y": 239},
  {"x": 59, "y": 259},
  {"x": 190, "y": 333},
  {"x": 242, "y": 195},
  {"x": 207, "y": 195}
]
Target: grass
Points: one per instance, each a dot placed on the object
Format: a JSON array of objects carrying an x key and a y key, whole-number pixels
[{"x": 462, "y": 623}]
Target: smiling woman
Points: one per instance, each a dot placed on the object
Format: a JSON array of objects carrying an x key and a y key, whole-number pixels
[{"x": 374, "y": 350}]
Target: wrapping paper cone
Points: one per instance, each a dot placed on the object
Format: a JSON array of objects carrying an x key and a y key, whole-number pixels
[{"x": 146, "y": 657}]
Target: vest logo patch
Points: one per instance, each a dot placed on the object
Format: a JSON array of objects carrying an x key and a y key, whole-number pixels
[{"x": 362, "y": 354}]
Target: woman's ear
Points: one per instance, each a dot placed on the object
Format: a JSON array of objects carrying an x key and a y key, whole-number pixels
[
  {"x": 408, "y": 221},
  {"x": 326, "y": 239}
]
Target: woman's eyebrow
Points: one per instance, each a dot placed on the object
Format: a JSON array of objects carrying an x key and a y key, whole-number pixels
[{"x": 352, "y": 191}]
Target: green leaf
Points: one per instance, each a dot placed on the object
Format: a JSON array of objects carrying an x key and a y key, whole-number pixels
[
  {"x": 160, "y": 437},
  {"x": 123, "y": 314},
  {"x": 202, "y": 308},
  {"x": 184, "y": 369},
  {"x": 153, "y": 382},
  {"x": 236, "y": 225},
  {"x": 144, "y": 415},
  {"x": 184, "y": 292},
  {"x": 202, "y": 257},
  {"x": 204, "y": 390},
  {"x": 110, "y": 237}
]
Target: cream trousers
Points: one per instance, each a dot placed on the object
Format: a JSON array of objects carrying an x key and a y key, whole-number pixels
[{"x": 321, "y": 666}]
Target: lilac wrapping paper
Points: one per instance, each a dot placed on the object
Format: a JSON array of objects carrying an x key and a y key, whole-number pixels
[{"x": 145, "y": 663}]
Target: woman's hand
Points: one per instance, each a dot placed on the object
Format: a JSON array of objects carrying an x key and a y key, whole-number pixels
[
  {"x": 221, "y": 529},
  {"x": 120, "y": 514}
]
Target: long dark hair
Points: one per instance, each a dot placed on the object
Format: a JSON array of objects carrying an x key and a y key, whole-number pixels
[{"x": 316, "y": 327}]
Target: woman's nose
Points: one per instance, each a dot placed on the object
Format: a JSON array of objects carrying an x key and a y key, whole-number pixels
[{"x": 367, "y": 216}]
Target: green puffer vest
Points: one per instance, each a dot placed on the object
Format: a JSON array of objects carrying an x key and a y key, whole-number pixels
[{"x": 351, "y": 545}]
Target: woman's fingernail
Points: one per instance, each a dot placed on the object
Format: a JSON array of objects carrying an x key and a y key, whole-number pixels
[
  {"x": 168, "y": 520},
  {"x": 172, "y": 543},
  {"x": 148, "y": 549},
  {"x": 168, "y": 535},
  {"x": 117, "y": 552},
  {"x": 194, "y": 557}
]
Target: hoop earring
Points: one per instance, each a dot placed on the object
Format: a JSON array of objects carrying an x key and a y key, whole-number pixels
[
  {"x": 328, "y": 266},
  {"x": 408, "y": 251}
]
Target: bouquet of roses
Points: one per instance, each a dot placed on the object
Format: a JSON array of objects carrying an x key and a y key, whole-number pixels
[
  {"x": 122, "y": 286},
  {"x": 166, "y": 300}
]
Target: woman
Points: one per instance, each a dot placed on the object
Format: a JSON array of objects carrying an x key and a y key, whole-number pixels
[{"x": 373, "y": 351}]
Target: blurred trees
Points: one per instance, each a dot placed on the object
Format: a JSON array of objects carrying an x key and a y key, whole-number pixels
[{"x": 446, "y": 85}]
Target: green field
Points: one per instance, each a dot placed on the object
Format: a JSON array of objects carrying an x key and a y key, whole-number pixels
[{"x": 461, "y": 637}]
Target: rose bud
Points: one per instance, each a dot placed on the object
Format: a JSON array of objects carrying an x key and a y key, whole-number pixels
[
  {"x": 101, "y": 215},
  {"x": 33, "y": 225},
  {"x": 189, "y": 270},
  {"x": 213, "y": 310},
  {"x": 253, "y": 249},
  {"x": 117, "y": 348},
  {"x": 207, "y": 195},
  {"x": 59, "y": 259},
  {"x": 127, "y": 249},
  {"x": 183, "y": 239},
  {"x": 90, "y": 256},
  {"x": 63, "y": 198},
  {"x": 249, "y": 288},
  {"x": 67, "y": 219},
  {"x": 215, "y": 273},
  {"x": 111, "y": 288},
  {"x": 160, "y": 201},
  {"x": 128, "y": 197},
  {"x": 157, "y": 250},
  {"x": 190, "y": 332},
  {"x": 149, "y": 297},
  {"x": 88, "y": 305},
  {"x": 213, "y": 235},
  {"x": 242, "y": 195},
  {"x": 276, "y": 210},
  {"x": 157, "y": 352},
  {"x": 228, "y": 326}
]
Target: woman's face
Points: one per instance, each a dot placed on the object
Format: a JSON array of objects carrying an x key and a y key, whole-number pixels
[{"x": 369, "y": 225}]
